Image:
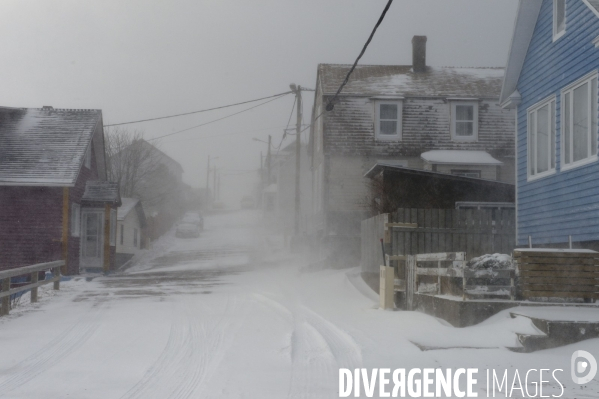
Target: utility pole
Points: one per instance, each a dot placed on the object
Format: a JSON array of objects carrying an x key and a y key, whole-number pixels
[
  {"x": 298, "y": 96},
  {"x": 208, "y": 175},
  {"x": 214, "y": 183},
  {"x": 268, "y": 161}
]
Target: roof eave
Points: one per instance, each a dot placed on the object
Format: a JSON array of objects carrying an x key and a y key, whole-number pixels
[{"x": 526, "y": 17}]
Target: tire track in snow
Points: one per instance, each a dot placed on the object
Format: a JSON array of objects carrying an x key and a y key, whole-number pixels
[
  {"x": 52, "y": 353},
  {"x": 189, "y": 356},
  {"x": 318, "y": 348}
]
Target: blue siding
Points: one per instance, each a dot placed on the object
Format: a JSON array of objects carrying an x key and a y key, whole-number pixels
[{"x": 566, "y": 203}]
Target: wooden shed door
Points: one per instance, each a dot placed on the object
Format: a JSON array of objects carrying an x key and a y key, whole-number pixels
[{"x": 92, "y": 238}]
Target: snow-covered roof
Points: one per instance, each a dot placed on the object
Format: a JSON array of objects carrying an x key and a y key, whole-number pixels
[
  {"x": 101, "y": 191},
  {"x": 127, "y": 204},
  {"x": 44, "y": 147},
  {"x": 400, "y": 80},
  {"x": 462, "y": 157}
]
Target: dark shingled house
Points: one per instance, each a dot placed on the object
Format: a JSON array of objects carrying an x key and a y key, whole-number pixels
[{"x": 55, "y": 202}]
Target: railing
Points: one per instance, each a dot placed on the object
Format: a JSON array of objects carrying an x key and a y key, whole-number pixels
[
  {"x": 33, "y": 271},
  {"x": 458, "y": 269}
]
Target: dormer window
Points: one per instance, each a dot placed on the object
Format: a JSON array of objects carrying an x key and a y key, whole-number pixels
[
  {"x": 464, "y": 121},
  {"x": 88, "y": 156},
  {"x": 388, "y": 116},
  {"x": 559, "y": 18}
]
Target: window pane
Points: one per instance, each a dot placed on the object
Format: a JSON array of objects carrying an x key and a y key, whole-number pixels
[
  {"x": 560, "y": 16},
  {"x": 552, "y": 137},
  {"x": 543, "y": 139},
  {"x": 566, "y": 129},
  {"x": 593, "y": 109},
  {"x": 532, "y": 143},
  {"x": 388, "y": 111},
  {"x": 388, "y": 127},
  {"x": 581, "y": 123},
  {"x": 464, "y": 112},
  {"x": 464, "y": 129}
]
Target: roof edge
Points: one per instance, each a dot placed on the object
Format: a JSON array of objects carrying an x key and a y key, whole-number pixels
[{"x": 524, "y": 27}]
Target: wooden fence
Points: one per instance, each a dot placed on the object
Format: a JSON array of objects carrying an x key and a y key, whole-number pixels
[
  {"x": 33, "y": 271},
  {"x": 474, "y": 231},
  {"x": 557, "y": 273}
]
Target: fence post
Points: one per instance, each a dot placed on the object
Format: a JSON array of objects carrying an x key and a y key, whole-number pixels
[
  {"x": 34, "y": 278},
  {"x": 5, "y": 300},
  {"x": 56, "y": 272}
]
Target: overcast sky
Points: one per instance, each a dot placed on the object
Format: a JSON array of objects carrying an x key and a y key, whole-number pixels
[{"x": 142, "y": 59}]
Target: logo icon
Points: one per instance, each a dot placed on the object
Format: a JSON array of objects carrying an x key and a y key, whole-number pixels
[{"x": 583, "y": 362}]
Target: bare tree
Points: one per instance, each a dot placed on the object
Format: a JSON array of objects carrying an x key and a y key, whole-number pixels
[{"x": 138, "y": 167}]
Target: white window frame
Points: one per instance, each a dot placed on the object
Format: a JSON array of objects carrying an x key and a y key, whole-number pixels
[
  {"x": 113, "y": 223},
  {"x": 529, "y": 151},
  {"x": 88, "y": 156},
  {"x": 388, "y": 137},
  {"x": 592, "y": 108},
  {"x": 75, "y": 220},
  {"x": 474, "y": 136},
  {"x": 557, "y": 34}
]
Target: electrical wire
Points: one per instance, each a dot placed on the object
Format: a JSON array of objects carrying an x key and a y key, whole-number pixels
[
  {"x": 197, "y": 112},
  {"x": 331, "y": 105},
  {"x": 219, "y": 119},
  {"x": 285, "y": 130}
]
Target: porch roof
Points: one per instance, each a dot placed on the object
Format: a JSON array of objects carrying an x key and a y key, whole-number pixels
[{"x": 97, "y": 191}]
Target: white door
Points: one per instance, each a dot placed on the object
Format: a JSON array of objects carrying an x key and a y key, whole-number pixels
[{"x": 92, "y": 238}]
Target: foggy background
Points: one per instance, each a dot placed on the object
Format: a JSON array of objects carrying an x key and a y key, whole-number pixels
[{"x": 145, "y": 59}]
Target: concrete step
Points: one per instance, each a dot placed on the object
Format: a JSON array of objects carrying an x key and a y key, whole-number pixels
[{"x": 555, "y": 332}]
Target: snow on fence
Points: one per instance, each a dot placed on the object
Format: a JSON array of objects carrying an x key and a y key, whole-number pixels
[
  {"x": 453, "y": 265},
  {"x": 33, "y": 271}
]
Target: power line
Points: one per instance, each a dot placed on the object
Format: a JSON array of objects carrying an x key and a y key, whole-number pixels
[
  {"x": 330, "y": 105},
  {"x": 221, "y": 135},
  {"x": 220, "y": 119},
  {"x": 197, "y": 112}
]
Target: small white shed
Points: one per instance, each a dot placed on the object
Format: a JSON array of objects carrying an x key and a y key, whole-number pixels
[{"x": 131, "y": 220}]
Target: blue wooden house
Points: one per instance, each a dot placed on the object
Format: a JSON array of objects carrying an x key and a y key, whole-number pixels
[{"x": 551, "y": 79}]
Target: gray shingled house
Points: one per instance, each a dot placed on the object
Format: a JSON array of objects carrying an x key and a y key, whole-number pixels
[
  {"x": 444, "y": 120},
  {"x": 56, "y": 202}
]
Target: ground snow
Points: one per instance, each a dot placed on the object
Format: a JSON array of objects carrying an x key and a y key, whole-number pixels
[{"x": 175, "y": 326}]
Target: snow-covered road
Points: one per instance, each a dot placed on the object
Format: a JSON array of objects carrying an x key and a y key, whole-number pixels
[{"x": 231, "y": 315}]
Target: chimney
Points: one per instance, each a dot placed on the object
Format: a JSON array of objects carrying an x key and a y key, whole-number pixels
[{"x": 419, "y": 54}]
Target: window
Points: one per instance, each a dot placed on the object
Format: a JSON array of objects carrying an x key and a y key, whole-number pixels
[
  {"x": 559, "y": 18},
  {"x": 135, "y": 238},
  {"x": 122, "y": 233},
  {"x": 88, "y": 156},
  {"x": 579, "y": 122},
  {"x": 541, "y": 139},
  {"x": 464, "y": 121},
  {"x": 112, "y": 227},
  {"x": 75, "y": 220},
  {"x": 388, "y": 116},
  {"x": 466, "y": 173}
]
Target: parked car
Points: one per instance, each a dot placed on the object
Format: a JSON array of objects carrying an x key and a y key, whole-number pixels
[
  {"x": 194, "y": 218},
  {"x": 187, "y": 230},
  {"x": 248, "y": 202}
]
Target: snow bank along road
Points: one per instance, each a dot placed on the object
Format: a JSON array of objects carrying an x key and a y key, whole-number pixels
[{"x": 228, "y": 316}]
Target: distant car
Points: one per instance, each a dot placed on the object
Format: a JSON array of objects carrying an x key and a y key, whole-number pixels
[
  {"x": 187, "y": 230},
  {"x": 194, "y": 218},
  {"x": 248, "y": 203}
]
